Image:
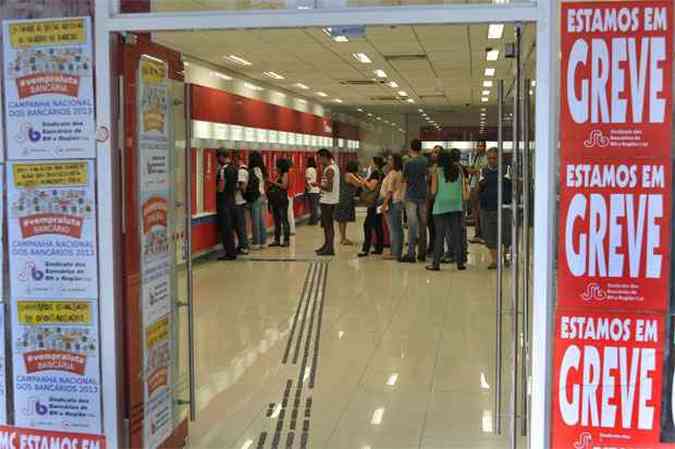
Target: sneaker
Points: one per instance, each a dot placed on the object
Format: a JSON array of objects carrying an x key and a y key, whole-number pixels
[
  {"x": 461, "y": 267},
  {"x": 432, "y": 268}
]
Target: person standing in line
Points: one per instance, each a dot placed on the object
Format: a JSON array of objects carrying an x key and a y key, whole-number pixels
[
  {"x": 312, "y": 190},
  {"x": 447, "y": 183},
  {"x": 256, "y": 199},
  {"x": 226, "y": 185},
  {"x": 478, "y": 163},
  {"x": 488, "y": 188},
  {"x": 330, "y": 197},
  {"x": 277, "y": 194},
  {"x": 431, "y": 227},
  {"x": 373, "y": 221},
  {"x": 415, "y": 174},
  {"x": 392, "y": 207},
  {"x": 240, "y": 203},
  {"x": 345, "y": 211}
]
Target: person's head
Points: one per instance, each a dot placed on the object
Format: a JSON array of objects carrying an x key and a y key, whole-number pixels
[
  {"x": 377, "y": 162},
  {"x": 455, "y": 155},
  {"x": 480, "y": 147},
  {"x": 223, "y": 156},
  {"x": 449, "y": 167},
  {"x": 325, "y": 156},
  {"x": 416, "y": 146},
  {"x": 395, "y": 162},
  {"x": 492, "y": 158},
  {"x": 283, "y": 166},
  {"x": 435, "y": 152},
  {"x": 311, "y": 162},
  {"x": 255, "y": 160},
  {"x": 352, "y": 167}
]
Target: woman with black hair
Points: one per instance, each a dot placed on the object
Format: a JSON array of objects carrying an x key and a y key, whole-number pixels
[
  {"x": 393, "y": 192},
  {"x": 373, "y": 222},
  {"x": 278, "y": 198},
  {"x": 312, "y": 191},
  {"x": 256, "y": 199},
  {"x": 447, "y": 184},
  {"x": 345, "y": 212}
]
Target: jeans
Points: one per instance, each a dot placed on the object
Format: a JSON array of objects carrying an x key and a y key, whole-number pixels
[
  {"x": 313, "y": 201},
  {"x": 226, "y": 220},
  {"x": 373, "y": 223},
  {"x": 327, "y": 216},
  {"x": 257, "y": 209},
  {"x": 416, "y": 211},
  {"x": 449, "y": 225},
  {"x": 240, "y": 225},
  {"x": 281, "y": 224},
  {"x": 395, "y": 223}
]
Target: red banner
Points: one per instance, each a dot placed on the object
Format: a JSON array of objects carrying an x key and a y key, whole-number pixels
[
  {"x": 154, "y": 213},
  {"x": 18, "y": 438},
  {"x": 615, "y": 225},
  {"x": 48, "y": 83},
  {"x": 53, "y": 360},
  {"x": 607, "y": 380},
  {"x": 41, "y": 224}
]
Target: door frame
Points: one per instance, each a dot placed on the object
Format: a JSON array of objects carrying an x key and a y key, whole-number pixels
[{"x": 544, "y": 14}]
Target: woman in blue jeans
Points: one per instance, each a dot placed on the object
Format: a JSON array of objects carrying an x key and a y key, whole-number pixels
[
  {"x": 259, "y": 205},
  {"x": 393, "y": 191}
]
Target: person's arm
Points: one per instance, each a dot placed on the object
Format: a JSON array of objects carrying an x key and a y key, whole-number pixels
[
  {"x": 434, "y": 183},
  {"x": 389, "y": 194},
  {"x": 284, "y": 181},
  {"x": 353, "y": 180}
]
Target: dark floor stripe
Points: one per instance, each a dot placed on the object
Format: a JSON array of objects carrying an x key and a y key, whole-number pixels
[
  {"x": 261, "y": 440},
  {"x": 310, "y": 270},
  {"x": 313, "y": 285},
  {"x": 310, "y": 331},
  {"x": 315, "y": 357},
  {"x": 289, "y": 440}
]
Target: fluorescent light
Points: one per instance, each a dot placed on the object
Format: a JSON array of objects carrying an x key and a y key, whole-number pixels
[
  {"x": 492, "y": 55},
  {"x": 403, "y": 93},
  {"x": 392, "y": 84},
  {"x": 487, "y": 83},
  {"x": 485, "y": 99},
  {"x": 362, "y": 58},
  {"x": 252, "y": 86},
  {"x": 380, "y": 73},
  {"x": 410, "y": 100},
  {"x": 489, "y": 71},
  {"x": 486, "y": 92},
  {"x": 237, "y": 60},
  {"x": 378, "y": 414},
  {"x": 322, "y": 94},
  {"x": 301, "y": 86},
  {"x": 341, "y": 39},
  {"x": 495, "y": 30},
  {"x": 274, "y": 76},
  {"x": 393, "y": 378},
  {"x": 222, "y": 76},
  {"x": 337, "y": 100}
]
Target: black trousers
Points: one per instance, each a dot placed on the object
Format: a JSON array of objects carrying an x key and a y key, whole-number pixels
[
  {"x": 226, "y": 222},
  {"x": 372, "y": 224},
  {"x": 281, "y": 223},
  {"x": 327, "y": 217},
  {"x": 449, "y": 225}
]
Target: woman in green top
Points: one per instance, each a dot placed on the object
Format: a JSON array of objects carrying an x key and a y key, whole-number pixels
[{"x": 447, "y": 185}]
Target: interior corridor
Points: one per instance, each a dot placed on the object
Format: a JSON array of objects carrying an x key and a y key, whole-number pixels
[{"x": 335, "y": 353}]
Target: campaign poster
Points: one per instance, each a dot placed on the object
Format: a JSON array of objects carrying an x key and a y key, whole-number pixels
[
  {"x": 49, "y": 89},
  {"x": 56, "y": 364},
  {"x": 615, "y": 232},
  {"x": 607, "y": 380},
  {"x": 616, "y": 80},
  {"x": 154, "y": 134},
  {"x": 52, "y": 229}
]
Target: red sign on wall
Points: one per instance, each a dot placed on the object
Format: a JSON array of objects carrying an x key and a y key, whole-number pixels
[
  {"x": 616, "y": 74},
  {"x": 607, "y": 380}
]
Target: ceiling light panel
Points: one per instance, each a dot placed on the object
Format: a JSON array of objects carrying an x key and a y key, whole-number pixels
[
  {"x": 486, "y": 92},
  {"x": 489, "y": 71},
  {"x": 234, "y": 59},
  {"x": 492, "y": 55},
  {"x": 274, "y": 75},
  {"x": 362, "y": 58},
  {"x": 487, "y": 83},
  {"x": 380, "y": 73},
  {"x": 392, "y": 84},
  {"x": 495, "y": 30},
  {"x": 322, "y": 94},
  {"x": 301, "y": 86}
]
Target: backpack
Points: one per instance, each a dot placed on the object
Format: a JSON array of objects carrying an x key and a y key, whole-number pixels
[{"x": 252, "y": 192}]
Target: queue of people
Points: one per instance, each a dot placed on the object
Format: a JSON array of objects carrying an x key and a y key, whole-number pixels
[{"x": 428, "y": 194}]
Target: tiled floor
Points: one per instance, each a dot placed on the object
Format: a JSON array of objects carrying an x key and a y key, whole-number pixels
[{"x": 405, "y": 357}]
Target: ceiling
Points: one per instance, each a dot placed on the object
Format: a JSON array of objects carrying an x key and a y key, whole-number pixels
[{"x": 440, "y": 67}]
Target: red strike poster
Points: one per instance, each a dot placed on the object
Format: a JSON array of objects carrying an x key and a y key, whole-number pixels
[{"x": 610, "y": 383}]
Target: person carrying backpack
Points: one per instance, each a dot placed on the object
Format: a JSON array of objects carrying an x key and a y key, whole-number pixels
[{"x": 256, "y": 201}]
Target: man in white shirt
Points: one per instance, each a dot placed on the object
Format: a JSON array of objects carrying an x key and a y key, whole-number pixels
[
  {"x": 312, "y": 191},
  {"x": 240, "y": 206},
  {"x": 330, "y": 197}
]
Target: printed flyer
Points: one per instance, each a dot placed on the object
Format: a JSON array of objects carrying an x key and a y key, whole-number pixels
[
  {"x": 607, "y": 380},
  {"x": 154, "y": 135},
  {"x": 56, "y": 365},
  {"x": 49, "y": 90},
  {"x": 52, "y": 229},
  {"x": 19, "y": 438}
]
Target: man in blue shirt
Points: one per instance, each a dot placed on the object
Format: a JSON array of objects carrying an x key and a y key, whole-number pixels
[{"x": 415, "y": 174}]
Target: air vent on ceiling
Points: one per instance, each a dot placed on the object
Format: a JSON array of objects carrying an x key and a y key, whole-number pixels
[
  {"x": 404, "y": 58},
  {"x": 359, "y": 83}
]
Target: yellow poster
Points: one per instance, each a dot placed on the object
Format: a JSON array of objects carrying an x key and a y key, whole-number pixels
[
  {"x": 56, "y": 32},
  {"x": 53, "y": 312},
  {"x": 50, "y": 174}
]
